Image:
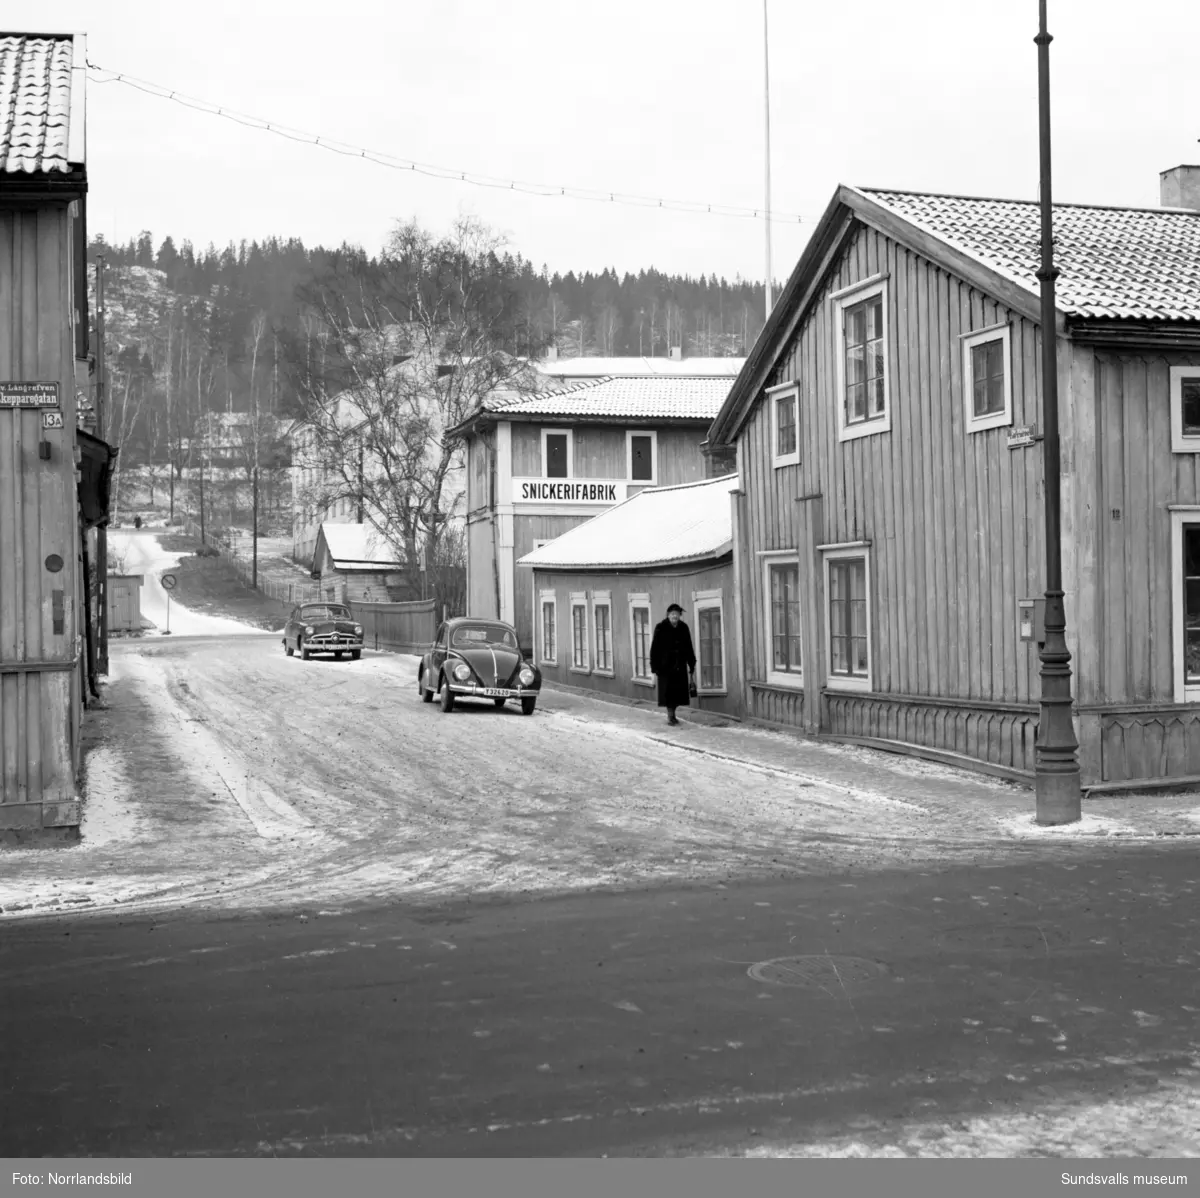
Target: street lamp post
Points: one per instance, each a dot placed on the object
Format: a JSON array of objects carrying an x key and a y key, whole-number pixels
[{"x": 1057, "y": 769}]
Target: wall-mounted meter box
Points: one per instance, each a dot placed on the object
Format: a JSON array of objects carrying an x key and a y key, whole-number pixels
[{"x": 1032, "y": 619}]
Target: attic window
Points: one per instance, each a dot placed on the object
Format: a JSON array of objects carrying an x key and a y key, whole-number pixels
[
  {"x": 785, "y": 424},
  {"x": 987, "y": 378},
  {"x": 863, "y": 406}
]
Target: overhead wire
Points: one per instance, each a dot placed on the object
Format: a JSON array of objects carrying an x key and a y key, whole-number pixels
[{"x": 430, "y": 170}]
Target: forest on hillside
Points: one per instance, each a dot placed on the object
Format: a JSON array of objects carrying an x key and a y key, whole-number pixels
[{"x": 205, "y": 327}]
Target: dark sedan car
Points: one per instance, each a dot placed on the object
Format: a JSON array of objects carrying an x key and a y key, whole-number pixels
[
  {"x": 322, "y": 628},
  {"x": 478, "y": 659}
]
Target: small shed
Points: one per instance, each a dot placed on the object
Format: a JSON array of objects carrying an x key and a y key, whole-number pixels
[
  {"x": 600, "y": 588},
  {"x": 356, "y": 564},
  {"x": 125, "y": 602}
]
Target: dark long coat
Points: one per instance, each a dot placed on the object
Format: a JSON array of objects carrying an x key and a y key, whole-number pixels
[{"x": 671, "y": 658}]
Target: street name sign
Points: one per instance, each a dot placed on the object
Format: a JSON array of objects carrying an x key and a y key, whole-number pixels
[{"x": 28, "y": 395}]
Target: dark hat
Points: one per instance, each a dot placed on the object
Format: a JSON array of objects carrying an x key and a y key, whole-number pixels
[{"x": 674, "y": 607}]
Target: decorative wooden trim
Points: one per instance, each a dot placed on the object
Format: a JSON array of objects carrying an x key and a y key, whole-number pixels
[
  {"x": 972, "y": 764},
  {"x": 831, "y": 545},
  {"x": 985, "y": 705},
  {"x": 781, "y": 387},
  {"x": 861, "y": 285},
  {"x": 1137, "y": 708}
]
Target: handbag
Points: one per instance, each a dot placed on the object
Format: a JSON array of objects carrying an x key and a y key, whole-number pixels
[{"x": 692, "y": 692}]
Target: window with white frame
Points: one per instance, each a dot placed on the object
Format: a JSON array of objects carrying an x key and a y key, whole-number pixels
[
  {"x": 1185, "y": 409},
  {"x": 640, "y": 635},
  {"x": 579, "y": 633},
  {"x": 549, "y": 628},
  {"x": 987, "y": 378},
  {"x": 785, "y": 424},
  {"x": 557, "y": 450},
  {"x": 1185, "y": 568},
  {"x": 710, "y": 642},
  {"x": 642, "y": 454},
  {"x": 781, "y": 592},
  {"x": 847, "y": 618},
  {"x": 863, "y": 402},
  {"x": 602, "y": 631}
]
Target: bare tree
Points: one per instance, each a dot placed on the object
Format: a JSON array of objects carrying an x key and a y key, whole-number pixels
[{"x": 393, "y": 356}]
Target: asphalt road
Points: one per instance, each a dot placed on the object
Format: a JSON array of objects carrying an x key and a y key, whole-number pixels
[{"x": 1041, "y": 1007}]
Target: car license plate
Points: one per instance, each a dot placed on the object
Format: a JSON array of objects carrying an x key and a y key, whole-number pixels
[{"x": 496, "y": 692}]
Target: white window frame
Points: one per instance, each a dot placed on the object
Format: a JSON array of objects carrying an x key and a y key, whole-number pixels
[
  {"x": 579, "y": 599},
  {"x": 603, "y": 599},
  {"x": 1180, "y": 515},
  {"x": 1181, "y": 442},
  {"x": 547, "y": 599},
  {"x": 774, "y": 395},
  {"x": 559, "y": 432},
  {"x": 791, "y": 679},
  {"x": 996, "y": 332},
  {"x": 711, "y": 601},
  {"x": 830, "y": 554},
  {"x": 652, "y": 481},
  {"x": 847, "y": 298},
  {"x": 636, "y": 603}
]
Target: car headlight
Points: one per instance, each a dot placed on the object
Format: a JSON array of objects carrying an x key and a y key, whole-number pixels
[
  {"x": 526, "y": 676},
  {"x": 308, "y": 630},
  {"x": 358, "y": 630},
  {"x": 462, "y": 671}
]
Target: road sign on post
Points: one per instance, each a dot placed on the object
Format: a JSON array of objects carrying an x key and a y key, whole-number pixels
[{"x": 168, "y": 585}]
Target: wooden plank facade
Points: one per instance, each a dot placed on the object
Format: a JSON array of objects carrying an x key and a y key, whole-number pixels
[
  {"x": 941, "y": 515},
  {"x": 614, "y": 658},
  {"x": 42, "y": 332}
]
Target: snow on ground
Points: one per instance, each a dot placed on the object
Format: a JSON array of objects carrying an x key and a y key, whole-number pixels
[
  {"x": 229, "y": 774},
  {"x": 142, "y": 554}
]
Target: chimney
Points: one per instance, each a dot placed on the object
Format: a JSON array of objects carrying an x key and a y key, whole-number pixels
[{"x": 1180, "y": 187}]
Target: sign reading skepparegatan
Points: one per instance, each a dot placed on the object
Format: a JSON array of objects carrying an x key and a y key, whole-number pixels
[
  {"x": 568, "y": 490},
  {"x": 28, "y": 395}
]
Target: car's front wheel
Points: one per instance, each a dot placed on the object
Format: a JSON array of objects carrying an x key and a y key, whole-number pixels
[
  {"x": 303, "y": 650},
  {"x": 447, "y": 696},
  {"x": 527, "y": 706},
  {"x": 355, "y": 654}
]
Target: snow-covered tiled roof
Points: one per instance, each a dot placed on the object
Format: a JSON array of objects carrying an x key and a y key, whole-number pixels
[
  {"x": 354, "y": 546},
  {"x": 645, "y": 398},
  {"x": 661, "y": 526},
  {"x": 618, "y": 367},
  {"x": 35, "y": 103},
  {"x": 1118, "y": 263}
]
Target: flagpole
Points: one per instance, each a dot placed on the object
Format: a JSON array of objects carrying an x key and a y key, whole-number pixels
[{"x": 767, "y": 148}]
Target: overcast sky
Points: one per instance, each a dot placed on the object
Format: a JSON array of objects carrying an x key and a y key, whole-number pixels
[{"x": 651, "y": 97}]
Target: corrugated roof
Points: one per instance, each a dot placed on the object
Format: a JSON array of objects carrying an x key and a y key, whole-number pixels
[
  {"x": 625, "y": 367},
  {"x": 357, "y": 545},
  {"x": 646, "y": 398},
  {"x": 1119, "y": 263},
  {"x": 35, "y": 103},
  {"x": 661, "y": 526}
]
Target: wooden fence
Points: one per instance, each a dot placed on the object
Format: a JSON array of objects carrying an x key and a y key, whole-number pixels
[{"x": 402, "y": 627}]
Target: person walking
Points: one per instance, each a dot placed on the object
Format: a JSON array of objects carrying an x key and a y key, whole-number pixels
[{"x": 673, "y": 662}]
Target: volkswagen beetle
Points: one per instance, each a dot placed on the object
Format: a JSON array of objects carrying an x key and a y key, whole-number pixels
[
  {"x": 478, "y": 659},
  {"x": 322, "y": 628}
]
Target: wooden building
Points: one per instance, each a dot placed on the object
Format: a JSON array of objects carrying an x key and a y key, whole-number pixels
[
  {"x": 125, "y": 602},
  {"x": 599, "y": 589},
  {"x": 890, "y": 526},
  {"x": 538, "y": 465},
  {"x": 43, "y": 343},
  {"x": 355, "y": 564}
]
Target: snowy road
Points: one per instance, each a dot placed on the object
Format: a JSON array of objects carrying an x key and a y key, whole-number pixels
[
  {"x": 142, "y": 554},
  {"x": 230, "y": 775}
]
